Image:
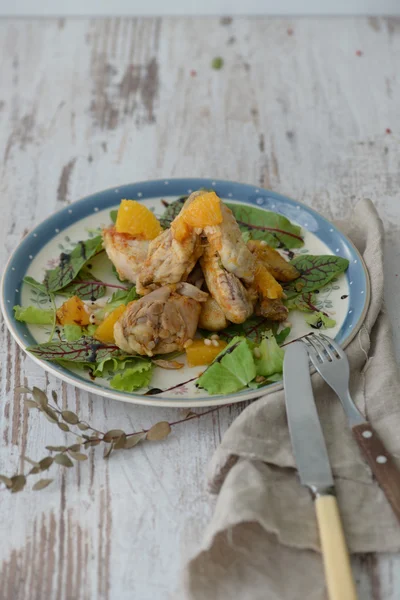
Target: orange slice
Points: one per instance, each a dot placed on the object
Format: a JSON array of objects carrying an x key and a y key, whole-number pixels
[
  {"x": 204, "y": 211},
  {"x": 267, "y": 284},
  {"x": 105, "y": 331},
  {"x": 199, "y": 353},
  {"x": 137, "y": 220}
]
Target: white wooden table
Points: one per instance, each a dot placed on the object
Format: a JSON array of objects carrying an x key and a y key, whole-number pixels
[{"x": 85, "y": 105}]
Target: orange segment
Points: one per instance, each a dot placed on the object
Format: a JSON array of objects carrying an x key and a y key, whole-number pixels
[
  {"x": 180, "y": 229},
  {"x": 199, "y": 353},
  {"x": 205, "y": 210},
  {"x": 105, "y": 331},
  {"x": 73, "y": 312},
  {"x": 137, "y": 220},
  {"x": 267, "y": 284}
]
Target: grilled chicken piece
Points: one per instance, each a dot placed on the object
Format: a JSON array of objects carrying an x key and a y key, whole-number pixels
[
  {"x": 125, "y": 252},
  {"x": 226, "y": 239},
  {"x": 169, "y": 259},
  {"x": 160, "y": 322},
  {"x": 228, "y": 291},
  {"x": 212, "y": 316},
  {"x": 274, "y": 310},
  {"x": 280, "y": 268}
]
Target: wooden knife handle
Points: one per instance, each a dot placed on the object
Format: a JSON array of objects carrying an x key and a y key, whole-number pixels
[
  {"x": 381, "y": 463},
  {"x": 338, "y": 574}
]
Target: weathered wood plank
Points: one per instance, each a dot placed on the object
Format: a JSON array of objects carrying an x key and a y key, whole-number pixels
[{"x": 88, "y": 104}]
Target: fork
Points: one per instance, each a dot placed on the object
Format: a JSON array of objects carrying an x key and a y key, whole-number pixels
[{"x": 332, "y": 364}]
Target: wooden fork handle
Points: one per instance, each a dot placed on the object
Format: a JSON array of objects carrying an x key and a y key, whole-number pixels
[{"x": 381, "y": 463}]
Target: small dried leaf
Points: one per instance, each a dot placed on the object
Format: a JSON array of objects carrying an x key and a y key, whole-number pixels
[
  {"x": 79, "y": 441},
  {"x": 134, "y": 439},
  {"x": 6, "y": 480},
  {"x": 120, "y": 442},
  {"x": 108, "y": 450},
  {"x": 112, "y": 435},
  {"x": 30, "y": 461},
  {"x": 78, "y": 455},
  {"x": 40, "y": 396},
  {"x": 54, "y": 396},
  {"x": 49, "y": 418},
  {"x": 83, "y": 426},
  {"x": 189, "y": 414},
  {"x": 74, "y": 448},
  {"x": 49, "y": 412},
  {"x": 168, "y": 364},
  {"x": 34, "y": 471},
  {"x": 21, "y": 389},
  {"x": 92, "y": 443},
  {"x": 70, "y": 417},
  {"x": 31, "y": 403},
  {"x": 18, "y": 483},
  {"x": 56, "y": 448},
  {"x": 41, "y": 484},
  {"x": 46, "y": 463},
  {"x": 64, "y": 460},
  {"x": 63, "y": 426},
  {"x": 159, "y": 431}
]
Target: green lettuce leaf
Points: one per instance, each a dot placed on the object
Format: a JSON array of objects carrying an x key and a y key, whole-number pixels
[
  {"x": 119, "y": 297},
  {"x": 35, "y": 284},
  {"x": 113, "y": 214},
  {"x": 319, "y": 320},
  {"x": 132, "y": 378},
  {"x": 71, "y": 263},
  {"x": 305, "y": 302},
  {"x": 271, "y": 359},
  {"x": 86, "y": 286},
  {"x": 282, "y": 335},
  {"x": 271, "y": 227},
  {"x": 231, "y": 371},
  {"x": 252, "y": 329},
  {"x": 172, "y": 210},
  {"x": 275, "y": 378},
  {"x": 315, "y": 272},
  {"x": 86, "y": 349},
  {"x": 72, "y": 332},
  {"x": 113, "y": 364},
  {"x": 34, "y": 315}
]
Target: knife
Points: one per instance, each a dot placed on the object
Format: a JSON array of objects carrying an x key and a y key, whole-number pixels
[{"x": 315, "y": 472}]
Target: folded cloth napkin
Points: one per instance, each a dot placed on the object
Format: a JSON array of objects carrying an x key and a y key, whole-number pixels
[{"x": 263, "y": 541}]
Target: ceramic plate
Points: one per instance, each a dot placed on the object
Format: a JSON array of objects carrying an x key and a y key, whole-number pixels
[{"x": 347, "y": 297}]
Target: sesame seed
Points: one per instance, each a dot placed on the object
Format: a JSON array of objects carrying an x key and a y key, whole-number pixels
[
  {"x": 263, "y": 243},
  {"x": 257, "y": 352},
  {"x": 215, "y": 336},
  {"x": 92, "y": 319},
  {"x": 215, "y": 343},
  {"x": 207, "y": 342}
]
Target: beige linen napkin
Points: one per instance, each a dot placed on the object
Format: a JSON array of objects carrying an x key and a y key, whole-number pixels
[{"x": 263, "y": 541}]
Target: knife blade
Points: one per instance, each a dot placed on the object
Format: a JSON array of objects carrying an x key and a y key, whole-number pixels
[
  {"x": 308, "y": 442},
  {"x": 315, "y": 472}
]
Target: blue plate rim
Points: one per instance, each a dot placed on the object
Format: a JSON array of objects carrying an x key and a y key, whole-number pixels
[{"x": 194, "y": 183}]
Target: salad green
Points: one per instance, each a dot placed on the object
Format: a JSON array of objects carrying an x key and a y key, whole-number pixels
[{"x": 253, "y": 356}]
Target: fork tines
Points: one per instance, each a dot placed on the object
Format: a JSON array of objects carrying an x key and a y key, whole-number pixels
[{"x": 322, "y": 347}]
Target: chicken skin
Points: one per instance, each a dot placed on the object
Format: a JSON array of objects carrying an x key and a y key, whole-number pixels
[
  {"x": 226, "y": 239},
  {"x": 125, "y": 252},
  {"x": 160, "y": 322},
  {"x": 170, "y": 257},
  {"x": 226, "y": 289}
]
